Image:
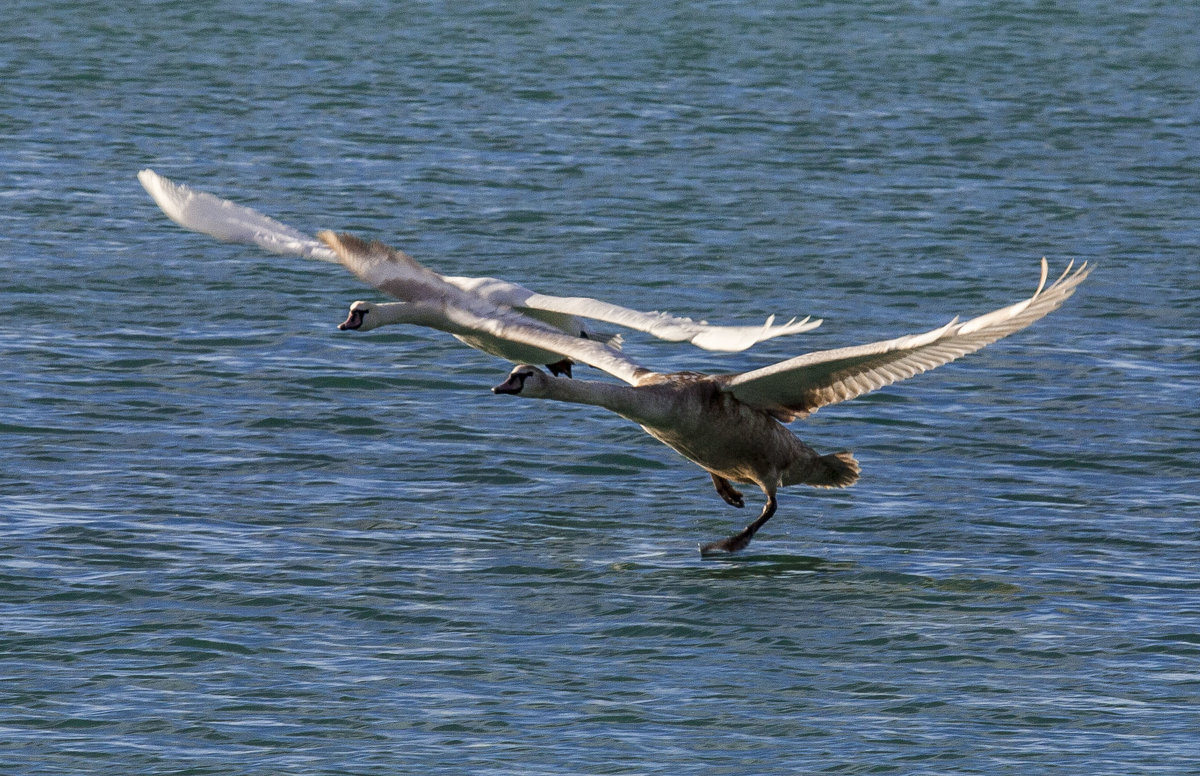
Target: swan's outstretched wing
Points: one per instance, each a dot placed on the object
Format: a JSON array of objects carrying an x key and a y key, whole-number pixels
[
  {"x": 664, "y": 326},
  {"x": 467, "y": 314},
  {"x": 669, "y": 327},
  {"x": 794, "y": 388},
  {"x": 202, "y": 212}
]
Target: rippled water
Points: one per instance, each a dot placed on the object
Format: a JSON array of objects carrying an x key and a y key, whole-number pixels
[{"x": 235, "y": 540}]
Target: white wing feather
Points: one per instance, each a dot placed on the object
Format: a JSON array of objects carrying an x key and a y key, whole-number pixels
[
  {"x": 794, "y": 388},
  {"x": 202, "y": 212},
  {"x": 668, "y": 327},
  {"x": 561, "y": 309},
  {"x": 208, "y": 214}
]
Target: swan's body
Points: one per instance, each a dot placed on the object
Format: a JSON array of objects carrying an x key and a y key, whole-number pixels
[
  {"x": 730, "y": 425},
  {"x": 412, "y": 283}
]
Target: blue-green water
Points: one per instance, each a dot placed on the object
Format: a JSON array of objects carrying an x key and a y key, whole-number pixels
[{"x": 234, "y": 540}]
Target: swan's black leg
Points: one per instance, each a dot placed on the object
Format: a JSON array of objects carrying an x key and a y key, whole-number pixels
[
  {"x": 726, "y": 491},
  {"x": 740, "y": 539},
  {"x": 560, "y": 367}
]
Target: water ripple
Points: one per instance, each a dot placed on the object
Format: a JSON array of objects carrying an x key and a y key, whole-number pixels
[{"x": 235, "y": 540}]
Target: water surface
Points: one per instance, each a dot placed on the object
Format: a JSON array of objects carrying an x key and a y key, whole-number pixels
[{"x": 235, "y": 540}]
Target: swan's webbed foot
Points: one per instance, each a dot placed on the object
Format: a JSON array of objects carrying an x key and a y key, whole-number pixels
[
  {"x": 742, "y": 538},
  {"x": 725, "y": 490},
  {"x": 561, "y": 367}
]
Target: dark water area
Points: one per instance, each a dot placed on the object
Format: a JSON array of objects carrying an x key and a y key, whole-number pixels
[{"x": 234, "y": 540}]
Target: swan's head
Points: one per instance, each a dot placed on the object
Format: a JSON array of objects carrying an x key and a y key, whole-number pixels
[
  {"x": 361, "y": 318},
  {"x": 525, "y": 380}
]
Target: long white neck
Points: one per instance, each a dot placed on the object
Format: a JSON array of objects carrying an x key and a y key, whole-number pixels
[{"x": 389, "y": 313}]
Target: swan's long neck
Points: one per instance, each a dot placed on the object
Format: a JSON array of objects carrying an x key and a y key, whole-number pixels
[
  {"x": 388, "y": 313},
  {"x": 626, "y": 401},
  {"x": 419, "y": 313}
]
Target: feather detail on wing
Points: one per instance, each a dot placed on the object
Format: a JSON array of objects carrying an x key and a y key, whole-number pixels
[
  {"x": 668, "y": 327},
  {"x": 559, "y": 310},
  {"x": 468, "y": 314},
  {"x": 797, "y": 387},
  {"x": 389, "y": 269},
  {"x": 202, "y": 212}
]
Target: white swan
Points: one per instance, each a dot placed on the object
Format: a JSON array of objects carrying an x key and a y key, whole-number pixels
[
  {"x": 729, "y": 424},
  {"x": 206, "y": 213}
]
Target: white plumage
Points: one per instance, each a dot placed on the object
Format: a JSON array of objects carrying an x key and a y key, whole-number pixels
[{"x": 411, "y": 282}]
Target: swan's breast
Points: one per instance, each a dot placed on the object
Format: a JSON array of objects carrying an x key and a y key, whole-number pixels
[
  {"x": 507, "y": 349},
  {"x": 712, "y": 428}
]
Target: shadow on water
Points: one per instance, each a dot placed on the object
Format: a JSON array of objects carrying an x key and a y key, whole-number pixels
[
  {"x": 769, "y": 565},
  {"x": 878, "y": 578}
]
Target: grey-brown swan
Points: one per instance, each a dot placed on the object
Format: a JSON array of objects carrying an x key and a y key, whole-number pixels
[
  {"x": 731, "y": 425},
  {"x": 414, "y": 284}
]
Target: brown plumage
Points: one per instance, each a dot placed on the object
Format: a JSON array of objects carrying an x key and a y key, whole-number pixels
[{"x": 730, "y": 425}]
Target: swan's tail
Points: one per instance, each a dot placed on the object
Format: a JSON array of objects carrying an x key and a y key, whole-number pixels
[{"x": 836, "y": 470}]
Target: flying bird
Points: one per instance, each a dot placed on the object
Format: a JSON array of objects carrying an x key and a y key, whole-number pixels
[
  {"x": 417, "y": 285},
  {"x": 731, "y": 425}
]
